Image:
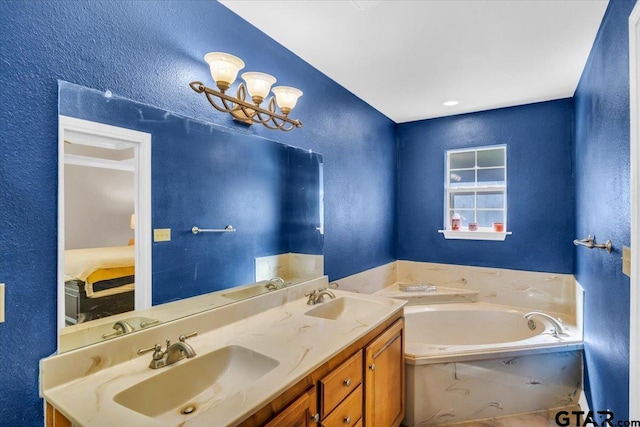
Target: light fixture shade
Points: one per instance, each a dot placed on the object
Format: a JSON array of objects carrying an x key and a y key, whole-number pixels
[
  {"x": 258, "y": 84},
  {"x": 286, "y": 97},
  {"x": 224, "y": 68}
]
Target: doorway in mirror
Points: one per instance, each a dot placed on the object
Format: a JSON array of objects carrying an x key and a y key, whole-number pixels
[{"x": 103, "y": 221}]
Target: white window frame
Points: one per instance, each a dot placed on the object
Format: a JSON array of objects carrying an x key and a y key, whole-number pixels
[{"x": 483, "y": 233}]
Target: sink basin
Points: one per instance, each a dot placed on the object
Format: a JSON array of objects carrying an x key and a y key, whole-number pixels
[
  {"x": 345, "y": 308},
  {"x": 182, "y": 390}
]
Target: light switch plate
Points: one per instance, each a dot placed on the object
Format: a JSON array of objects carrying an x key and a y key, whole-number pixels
[
  {"x": 1, "y": 302},
  {"x": 162, "y": 235},
  {"x": 626, "y": 260}
]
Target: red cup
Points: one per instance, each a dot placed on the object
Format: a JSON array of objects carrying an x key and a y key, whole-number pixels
[{"x": 498, "y": 226}]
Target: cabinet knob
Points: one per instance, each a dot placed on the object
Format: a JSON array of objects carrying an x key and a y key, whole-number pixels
[
  {"x": 347, "y": 420},
  {"x": 315, "y": 418},
  {"x": 347, "y": 382},
  {"x": 372, "y": 367}
]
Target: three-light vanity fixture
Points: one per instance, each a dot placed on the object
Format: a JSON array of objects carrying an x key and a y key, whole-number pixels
[{"x": 224, "y": 70}]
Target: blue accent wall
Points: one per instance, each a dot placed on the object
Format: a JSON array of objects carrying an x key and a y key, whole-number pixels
[
  {"x": 603, "y": 209},
  {"x": 540, "y": 187},
  {"x": 150, "y": 52}
]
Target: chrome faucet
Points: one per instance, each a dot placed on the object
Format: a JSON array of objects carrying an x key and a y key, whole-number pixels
[
  {"x": 275, "y": 283},
  {"x": 558, "y": 327},
  {"x": 173, "y": 352},
  {"x": 317, "y": 296}
]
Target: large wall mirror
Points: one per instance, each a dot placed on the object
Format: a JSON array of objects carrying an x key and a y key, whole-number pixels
[{"x": 134, "y": 182}]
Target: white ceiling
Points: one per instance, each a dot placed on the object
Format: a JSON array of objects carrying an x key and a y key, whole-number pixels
[{"x": 405, "y": 58}]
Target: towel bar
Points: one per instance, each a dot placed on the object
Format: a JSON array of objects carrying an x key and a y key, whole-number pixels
[
  {"x": 590, "y": 243},
  {"x": 227, "y": 229}
]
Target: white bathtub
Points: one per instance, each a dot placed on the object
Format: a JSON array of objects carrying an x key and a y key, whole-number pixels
[
  {"x": 469, "y": 361},
  {"x": 464, "y": 331}
]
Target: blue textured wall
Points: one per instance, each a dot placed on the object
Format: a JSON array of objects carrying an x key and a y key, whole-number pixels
[
  {"x": 150, "y": 51},
  {"x": 602, "y": 209},
  {"x": 540, "y": 187}
]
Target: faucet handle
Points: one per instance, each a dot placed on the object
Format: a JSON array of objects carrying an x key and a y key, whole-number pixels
[
  {"x": 333, "y": 285},
  {"x": 183, "y": 337},
  {"x": 157, "y": 351},
  {"x": 310, "y": 293}
]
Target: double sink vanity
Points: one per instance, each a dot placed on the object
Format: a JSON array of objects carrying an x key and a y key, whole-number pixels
[{"x": 283, "y": 358}]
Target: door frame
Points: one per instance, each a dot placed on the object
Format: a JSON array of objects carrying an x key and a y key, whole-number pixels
[
  {"x": 634, "y": 106},
  {"x": 141, "y": 143}
]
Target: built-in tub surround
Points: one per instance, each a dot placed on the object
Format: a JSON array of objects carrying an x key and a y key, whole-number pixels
[
  {"x": 460, "y": 391},
  {"x": 440, "y": 295},
  {"x": 547, "y": 292},
  {"x": 457, "y": 371},
  {"x": 83, "y": 383},
  {"x": 468, "y": 361}
]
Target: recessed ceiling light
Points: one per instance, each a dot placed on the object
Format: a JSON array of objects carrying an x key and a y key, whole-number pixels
[{"x": 451, "y": 103}]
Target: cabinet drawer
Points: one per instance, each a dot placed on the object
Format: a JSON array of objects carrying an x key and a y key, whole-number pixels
[
  {"x": 340, "y": 382},
  {"x": 348, "y": 413}
]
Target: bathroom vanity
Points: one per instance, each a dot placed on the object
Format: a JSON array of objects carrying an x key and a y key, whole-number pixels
[{"x": 270, "y": 360}]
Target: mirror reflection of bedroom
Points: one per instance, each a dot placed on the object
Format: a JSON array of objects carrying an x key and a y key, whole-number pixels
[{"x": 99, "y": 216}]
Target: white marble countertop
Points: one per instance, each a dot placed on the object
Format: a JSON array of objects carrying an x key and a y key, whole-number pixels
[{"x": 300, "y": 343}]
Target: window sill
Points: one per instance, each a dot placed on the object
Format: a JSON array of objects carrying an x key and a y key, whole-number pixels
[{"x": 475, "y": 235}]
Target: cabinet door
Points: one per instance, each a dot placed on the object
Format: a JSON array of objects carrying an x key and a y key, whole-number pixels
[
  {"x": 297, "y": 414},
  {"x": 384, "y": 379},
  {"x": 53, "y": 418}
]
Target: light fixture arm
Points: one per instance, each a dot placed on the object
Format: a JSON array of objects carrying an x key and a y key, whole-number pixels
[{"x": 245, "y": 111}]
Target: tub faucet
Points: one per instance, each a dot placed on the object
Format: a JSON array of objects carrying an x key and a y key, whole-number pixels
[{"x": 558, "y": 327}]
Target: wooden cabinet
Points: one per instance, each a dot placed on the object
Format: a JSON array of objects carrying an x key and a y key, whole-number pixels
[
  {"x": 347, "y": 413},
  {"x": 361, "y": 387},
  {"x": 53, "y": 418},
  {"x": 384, "y": 380},
  {"x": 297, "y": 414},
  {"x": 340, "y": 383},
  {"x": 340, "y": 396}
]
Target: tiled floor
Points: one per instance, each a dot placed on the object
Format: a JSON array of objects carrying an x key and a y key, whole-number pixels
[{"x": 545, "y": 418}]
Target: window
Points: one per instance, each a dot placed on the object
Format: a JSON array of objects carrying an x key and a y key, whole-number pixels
[{"x": 476, "y": 190}]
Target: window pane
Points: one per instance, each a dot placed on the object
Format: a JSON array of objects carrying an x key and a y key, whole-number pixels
[
  {"x": 491, "y": 200},
  {"x": 489, "y": 158},
  {"x": 491, "y": 176},
  {"x": 466, "y": 216},
  {"x": 462, "y": 200},
  {"x": 462, "y": 178},
  {"x": 463, "y": 160},
  {"x": 487, "y": 218}
]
